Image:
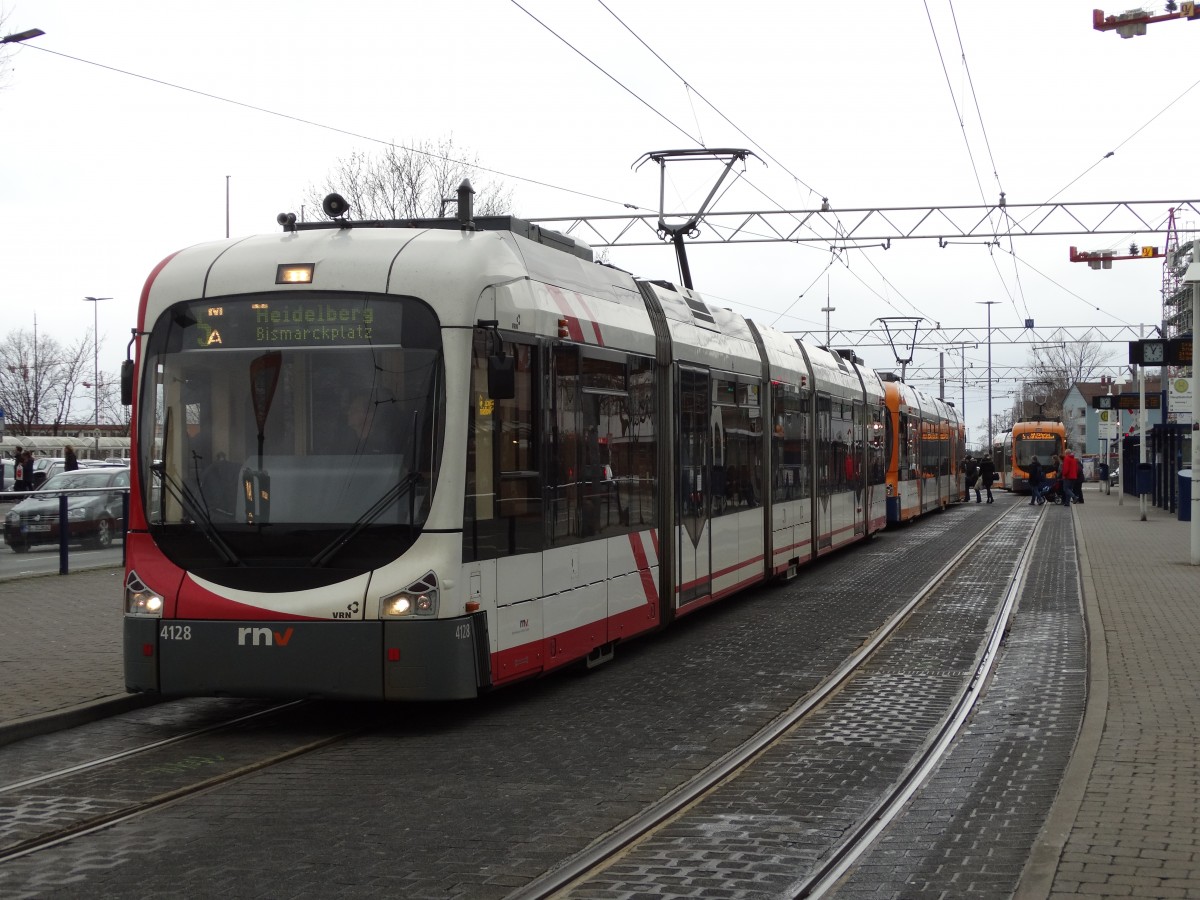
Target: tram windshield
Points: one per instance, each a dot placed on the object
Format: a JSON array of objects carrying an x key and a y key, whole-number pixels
[
  {"x": 290, "y": 431},
  {"x": 1043, "y": 446}
]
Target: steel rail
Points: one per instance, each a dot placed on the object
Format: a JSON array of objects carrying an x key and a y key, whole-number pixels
[
  {"x": 600, "y": 854},
  {"x": 146, "y": 748},
  {"x": 837, "y": 863},
  {"x": 141, "y": 808}
]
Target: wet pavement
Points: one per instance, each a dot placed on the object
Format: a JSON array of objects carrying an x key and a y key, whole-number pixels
[{"x": 1124, "y": 820}]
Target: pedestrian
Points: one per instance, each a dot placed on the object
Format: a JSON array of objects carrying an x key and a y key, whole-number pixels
[
  {"x": 987, "y": 474},
  {"x": 970, "y": 475},
  {"x": 16, "y": 461},
  {"x": 24, "y": 471},
  {"x": 72, "y": 461},
  {"x": 1035, "y": 480},
  {"x": 1070, "y": 477},
  {"x": 1077, "y": 479}
]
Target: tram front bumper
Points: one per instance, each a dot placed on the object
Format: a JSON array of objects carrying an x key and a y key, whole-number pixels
[{"x": 438, "y": 659}]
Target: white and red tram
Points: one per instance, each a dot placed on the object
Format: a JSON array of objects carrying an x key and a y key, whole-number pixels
[{"x": 423, "y": 460}]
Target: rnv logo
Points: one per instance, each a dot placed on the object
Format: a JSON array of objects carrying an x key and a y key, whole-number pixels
[{"x": 263, "y": 637}]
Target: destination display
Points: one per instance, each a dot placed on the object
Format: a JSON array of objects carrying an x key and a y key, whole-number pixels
[
  {"x": 1127, "y": 401},
  {"x": 292, "y": 322}
]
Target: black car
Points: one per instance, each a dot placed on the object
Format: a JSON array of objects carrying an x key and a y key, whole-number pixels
[{"x": 93, "y": 518}]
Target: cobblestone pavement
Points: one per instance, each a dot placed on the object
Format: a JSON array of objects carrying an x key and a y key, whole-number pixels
[
  {"x": 759, "y": 834},
  {"x": 473, "y": 800},
  {"x": 382, "y": 814},
  {"x": 61, "y": 642},
  {"x": 970, "y": 829},
  {"x": 1128, "y": 819}
]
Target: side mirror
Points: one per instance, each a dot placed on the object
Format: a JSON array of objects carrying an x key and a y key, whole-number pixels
[{"x": 127, "y": 383}]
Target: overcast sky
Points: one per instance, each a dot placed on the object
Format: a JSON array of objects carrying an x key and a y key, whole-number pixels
[{"x": 107, "y": 168}]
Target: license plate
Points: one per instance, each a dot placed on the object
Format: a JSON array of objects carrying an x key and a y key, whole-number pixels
[{"x": 39, "y": 526}]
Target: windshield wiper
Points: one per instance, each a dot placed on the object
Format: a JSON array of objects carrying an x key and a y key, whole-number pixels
[
  {"x": 197, "y": 511},
  {"x": 403, "y": 486}
]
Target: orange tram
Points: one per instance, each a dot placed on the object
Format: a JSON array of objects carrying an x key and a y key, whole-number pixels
[
  {"x": 926, "y": 444},
  {"x": 1013, "y": 454}
]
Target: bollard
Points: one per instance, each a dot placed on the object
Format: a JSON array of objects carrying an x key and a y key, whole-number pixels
[{"x": 62, "y": 534}]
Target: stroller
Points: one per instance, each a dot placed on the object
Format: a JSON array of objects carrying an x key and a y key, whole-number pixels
[{"x": 1049, "y": 491}]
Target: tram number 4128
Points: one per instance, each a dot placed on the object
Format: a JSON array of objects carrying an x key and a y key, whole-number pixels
[{"x": 176, "y": 633}]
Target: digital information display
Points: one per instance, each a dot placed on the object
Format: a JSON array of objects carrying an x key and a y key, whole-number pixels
[
  {"x": 1161, "y": 352},
  {"x": 1127, "y": 401},
  {"x": 292, "y": 322}
]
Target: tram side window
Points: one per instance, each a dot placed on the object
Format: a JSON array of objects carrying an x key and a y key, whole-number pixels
[
  {"x": 857, "y": 448},
  {"x": 635, "y": 455},
  {"x": 503, "y": 509},
  {"x": 929, "y": 458},
  {"x": 602, "y": 445},
  {"x": 562, "y": 477},
  {"x": 842, "y": 467},
  {"x": 905, "y": 448},
  {"x": 826, "y": 476},
  {"x": 790, "y": 448},
  {"x": 737, "y": 445},
  {"x": 604, "y": 506},
  {"x": 877, "y": 447}
]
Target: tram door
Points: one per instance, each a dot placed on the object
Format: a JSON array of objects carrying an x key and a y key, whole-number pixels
[{"x": 694, "y": 501}]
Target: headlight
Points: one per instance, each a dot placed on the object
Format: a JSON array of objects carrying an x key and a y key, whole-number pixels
[
  {"x": 140, "y": 600},
  {"x": 418, "y": 599},
  {"x": 77, "y": 513}
]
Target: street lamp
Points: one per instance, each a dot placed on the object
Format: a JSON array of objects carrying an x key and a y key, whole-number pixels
[
  {"x": 21, "y": 36},
  {"x": 989, "y": 304},
  {"x": 95, "y": 301}
]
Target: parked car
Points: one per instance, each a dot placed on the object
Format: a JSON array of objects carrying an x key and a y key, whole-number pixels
[
  {"x": 47, "y": 467},
  {"x": 94, "y": 519},
  {"x": 1112, "y": 476},
  {"x": 44, "y": 467}
]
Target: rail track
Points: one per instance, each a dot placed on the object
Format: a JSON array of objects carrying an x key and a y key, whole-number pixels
[
  {"x": 591, "y": 869},
  {"x": 153, "y": 775}
]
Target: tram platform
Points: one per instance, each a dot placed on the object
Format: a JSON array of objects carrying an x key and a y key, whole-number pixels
[{"x": 1126, "y": 821}]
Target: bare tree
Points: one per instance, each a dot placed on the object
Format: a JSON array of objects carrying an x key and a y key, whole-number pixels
[
  {"x": 1055, "y": 369},
  {"x": 40, "y": 381},
  {"x": 409, "y": 183},
  {"x": 5, "y": 51}
]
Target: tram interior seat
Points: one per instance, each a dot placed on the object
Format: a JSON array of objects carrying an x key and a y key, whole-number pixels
[
  {"x": 334, "y": 489},
  {"x": 219, "y": 489}
]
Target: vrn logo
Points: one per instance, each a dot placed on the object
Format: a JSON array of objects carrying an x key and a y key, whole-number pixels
[{"x": 263, "y": 637}]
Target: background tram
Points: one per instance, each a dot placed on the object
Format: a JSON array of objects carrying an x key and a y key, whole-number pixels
[
  {"x": 423, "y": 460},
  {"x": 1041, "y": 438},
  {"x": 1002, "y": 460},
  {"x": 925, "y": 446}
]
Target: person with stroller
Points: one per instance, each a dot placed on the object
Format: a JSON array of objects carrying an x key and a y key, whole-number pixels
[{"x": 1036, "y": 482}]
